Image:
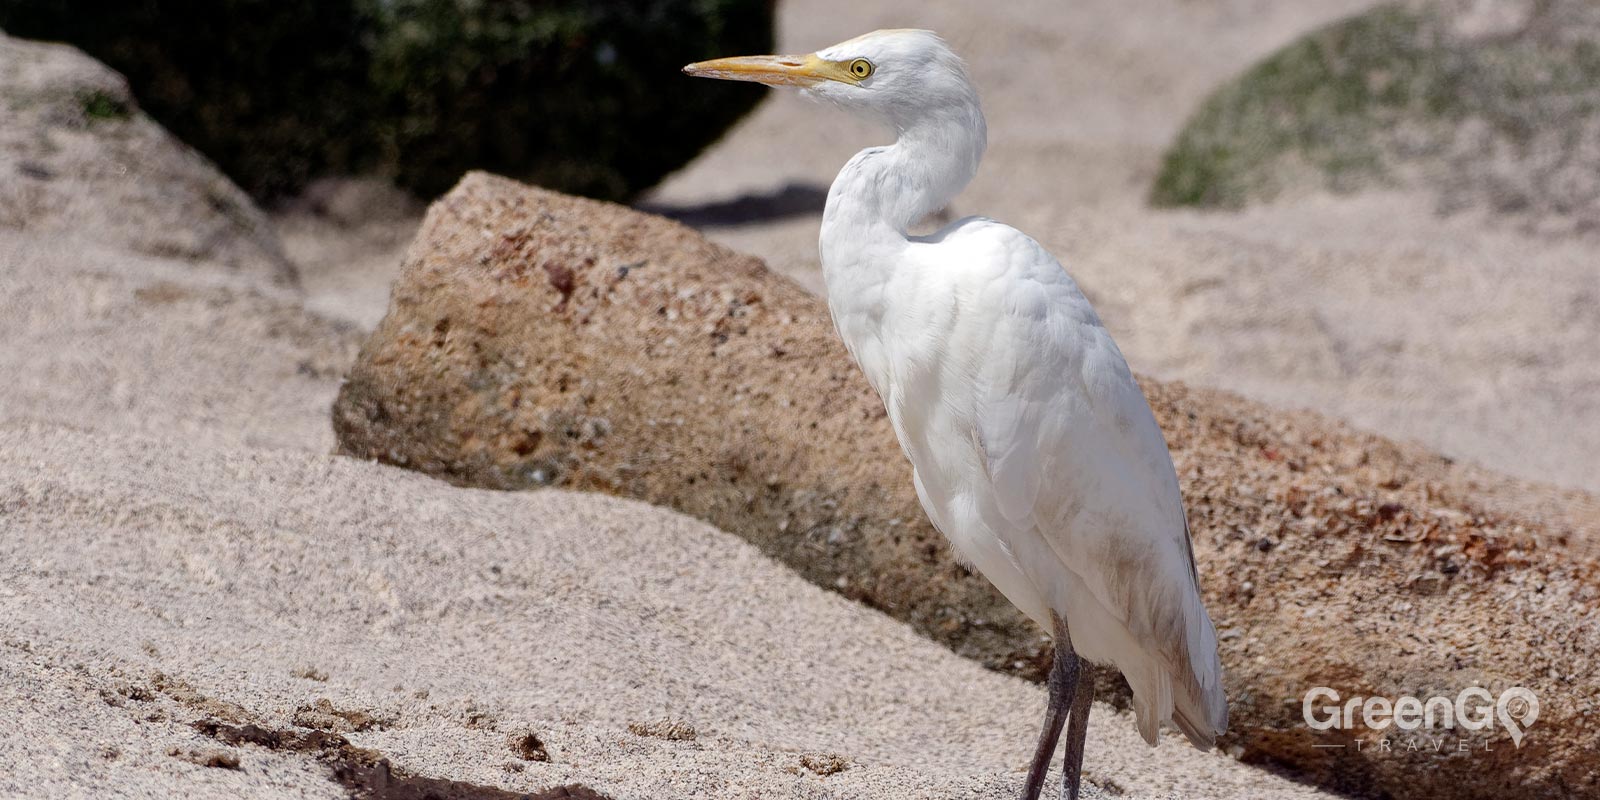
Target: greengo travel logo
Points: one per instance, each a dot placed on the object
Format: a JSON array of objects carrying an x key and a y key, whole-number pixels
[{"x": 1464, "y": 722}]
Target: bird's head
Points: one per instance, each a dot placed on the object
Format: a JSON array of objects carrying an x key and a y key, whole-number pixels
[{"x": 898, "y": 76}]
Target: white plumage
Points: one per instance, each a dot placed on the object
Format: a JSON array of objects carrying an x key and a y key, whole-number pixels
[{"x": 1035, "y": 452}]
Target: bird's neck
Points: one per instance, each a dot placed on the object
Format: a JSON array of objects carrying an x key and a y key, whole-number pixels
[{"x": 883, "y": 191}]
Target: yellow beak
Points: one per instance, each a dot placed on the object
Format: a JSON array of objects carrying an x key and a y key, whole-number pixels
[{"x": 771, "y": 70}]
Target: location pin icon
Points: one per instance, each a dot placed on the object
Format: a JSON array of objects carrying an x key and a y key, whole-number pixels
[{"x": 1517, "y": 708}]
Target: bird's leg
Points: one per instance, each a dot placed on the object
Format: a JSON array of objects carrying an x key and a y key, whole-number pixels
[
  {"x": 1077, "y": 730},
  {"x": 1062, "y": 683}
]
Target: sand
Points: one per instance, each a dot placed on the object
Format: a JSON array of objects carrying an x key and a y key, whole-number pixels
[
  {"x": 185, "y": 570},
  {"x": 347, "y": 237},
  {"x": 266, "y": 581},
  {"x": 176, "y": 545}
]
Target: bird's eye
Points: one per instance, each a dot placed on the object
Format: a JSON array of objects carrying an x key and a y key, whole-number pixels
[{"x": 861, "y": 69}]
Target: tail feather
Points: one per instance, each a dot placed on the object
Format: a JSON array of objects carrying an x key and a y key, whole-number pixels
[
  {"x": 1154, "y": 706},
  {"x": 1201, "y": 738},
  {"x": 1201, "y": 714},
  {"x": 1182, "y": 680}
]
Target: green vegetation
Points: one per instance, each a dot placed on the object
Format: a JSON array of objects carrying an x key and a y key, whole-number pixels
[
  {"x": 577, "y": 95},
  {"x": 1398, "y": 96},
  {"x": 102, "y": 106},
  {"x": 1319, "y": 102},
  {"x": 585, "y": 96}
]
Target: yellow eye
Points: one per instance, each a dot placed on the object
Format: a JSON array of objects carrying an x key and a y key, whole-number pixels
[{"x": 861, "y": 69}]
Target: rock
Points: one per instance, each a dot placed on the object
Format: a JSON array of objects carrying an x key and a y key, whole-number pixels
[
  {"x": 78, "y": 158},
  {"x": 535, "y": 339},
  {"x": 143, "y": 291},
  {"x": 1493, "y": 106}
]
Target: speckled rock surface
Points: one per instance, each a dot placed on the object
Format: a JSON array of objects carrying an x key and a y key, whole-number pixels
[{"x": 536, "y": 339}]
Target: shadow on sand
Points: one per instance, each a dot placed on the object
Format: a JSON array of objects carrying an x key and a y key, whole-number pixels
[
  {"x": 792, "y": 200},
  {"x": 367, "y": 774}
]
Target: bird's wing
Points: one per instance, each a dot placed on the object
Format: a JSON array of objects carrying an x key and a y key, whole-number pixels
[{"x": 1075, "y": 457}]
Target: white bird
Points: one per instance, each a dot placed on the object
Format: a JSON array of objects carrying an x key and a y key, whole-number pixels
[{"x": 1034, "y": 450}]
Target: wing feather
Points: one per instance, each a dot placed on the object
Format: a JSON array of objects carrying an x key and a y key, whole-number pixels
[{"x": 1075, "y": 460}]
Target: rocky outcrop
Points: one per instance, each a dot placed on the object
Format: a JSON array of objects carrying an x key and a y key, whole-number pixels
[
  {"x": 541, "y": 340},
  {"x": 1493, "y": 106},
  {"x": 79, "y": 160},
  {"x": 142, "y": 291}
]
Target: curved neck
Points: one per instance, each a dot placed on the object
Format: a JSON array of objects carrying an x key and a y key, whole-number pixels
[{"x": 883, "y": 191}]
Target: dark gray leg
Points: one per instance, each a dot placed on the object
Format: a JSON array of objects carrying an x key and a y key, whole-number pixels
[
  {"x": 1063, "y": 683},
  {"x": 1077, "y": 730}
]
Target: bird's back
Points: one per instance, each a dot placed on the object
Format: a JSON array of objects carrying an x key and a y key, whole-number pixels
[{"x": 1037, "y": 455}]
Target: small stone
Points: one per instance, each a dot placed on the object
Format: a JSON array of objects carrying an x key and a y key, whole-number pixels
[
  {"x": 528, "y": 747},
  {"x": 671, "y": 730},
  {"x": 824, "y": 763}
]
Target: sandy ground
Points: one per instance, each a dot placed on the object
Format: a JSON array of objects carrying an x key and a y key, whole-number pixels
[
  {"x": 105, "y": 338},
  {"x": 180, "y": 558},
  {"x": 457, "y": 618},
  {"x": 1461, "y": 333},
  {"x": 175, "y": 544},
  {"x": 348, "y": 236}
]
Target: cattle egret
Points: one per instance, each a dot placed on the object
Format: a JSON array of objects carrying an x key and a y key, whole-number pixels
[{"x": 1033, "y": 450}]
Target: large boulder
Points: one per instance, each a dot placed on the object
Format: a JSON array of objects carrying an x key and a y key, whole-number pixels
[
  {"x": 579, "y": 344},
  {"x": 542, "y": 340},
  {"x": 143, "y": 292},
  {"x": 578, "y": 95},
  {"x": 79, "y": 159},
  {"x": 1483, "y": 105}
]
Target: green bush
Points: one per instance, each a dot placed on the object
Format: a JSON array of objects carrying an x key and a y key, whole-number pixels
[{"x": 583, "y": 96}]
